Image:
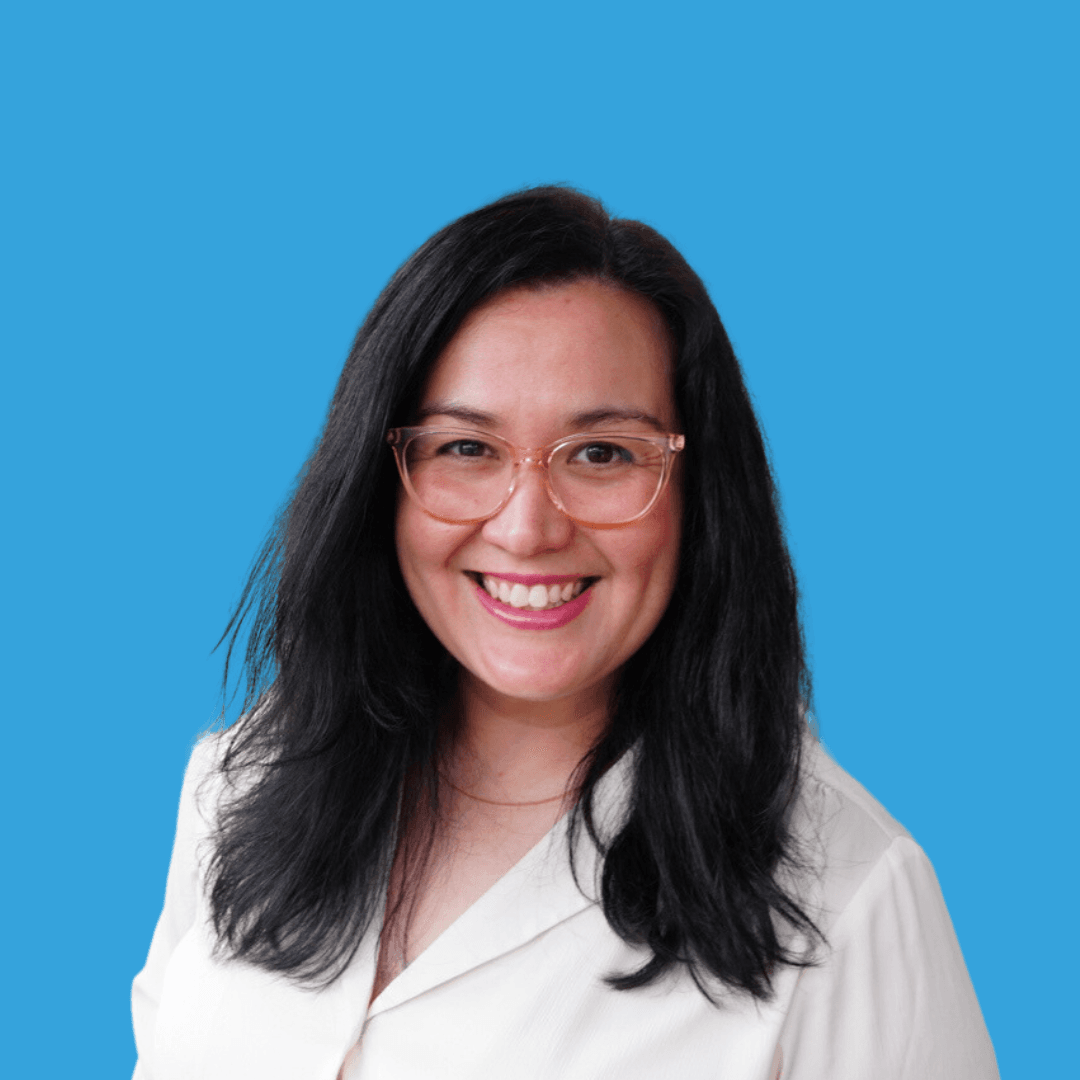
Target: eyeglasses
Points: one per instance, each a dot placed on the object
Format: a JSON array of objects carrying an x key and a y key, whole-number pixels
[{"x": 465, "y": 477}]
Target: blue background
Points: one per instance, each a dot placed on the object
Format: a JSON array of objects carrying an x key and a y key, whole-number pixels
[{"x": 202, "y": 200}]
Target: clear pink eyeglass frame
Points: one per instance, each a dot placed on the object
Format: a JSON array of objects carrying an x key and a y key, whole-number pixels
[{"x": 540, "y": 457}]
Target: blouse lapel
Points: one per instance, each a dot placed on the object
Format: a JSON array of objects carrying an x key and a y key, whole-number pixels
[{"x": 536, "y": 894}]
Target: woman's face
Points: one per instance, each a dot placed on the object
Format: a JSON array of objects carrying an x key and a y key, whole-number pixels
[{"x": 534, "y": 365}]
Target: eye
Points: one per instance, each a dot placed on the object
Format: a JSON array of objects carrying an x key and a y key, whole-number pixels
[
  {"x": 603, "y": 453},
  {"x": 471, "y": 448}
]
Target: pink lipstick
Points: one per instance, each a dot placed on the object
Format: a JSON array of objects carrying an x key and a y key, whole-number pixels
[{"x": 524, "y": 619}]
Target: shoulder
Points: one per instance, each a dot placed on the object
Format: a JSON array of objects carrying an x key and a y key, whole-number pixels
[
  {"x": 206, "y": 757},
  {"x": 846, "y": 838},
  {"x": 201, "y": 793},
  {"x": 889, "y": 995},
  {"x": 204, "y": 767}
]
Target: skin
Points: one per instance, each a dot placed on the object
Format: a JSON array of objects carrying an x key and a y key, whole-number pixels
[{"x": 533, "y": 361}]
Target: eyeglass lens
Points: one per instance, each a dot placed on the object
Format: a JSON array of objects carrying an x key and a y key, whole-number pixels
[{"x": 607, "y": 479}]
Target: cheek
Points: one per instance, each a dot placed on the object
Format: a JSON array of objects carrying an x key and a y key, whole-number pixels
[
  {"x": 660, "y": 545},
  {"x": 418, "y": 547},
  {"x": 649, "y": 556},
  {"x": 424, "y": 549},
  {"x": 665, "y": 558}
]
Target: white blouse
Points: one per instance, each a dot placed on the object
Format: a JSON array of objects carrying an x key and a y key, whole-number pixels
[{"x": 513, "y": 989}]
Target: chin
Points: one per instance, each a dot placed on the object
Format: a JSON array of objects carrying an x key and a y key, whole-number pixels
[{"x": 536, "y": 680}]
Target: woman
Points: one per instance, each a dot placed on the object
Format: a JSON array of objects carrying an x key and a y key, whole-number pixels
[{"x": 524, "y": 786}]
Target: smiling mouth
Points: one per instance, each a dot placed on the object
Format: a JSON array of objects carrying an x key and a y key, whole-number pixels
[{"x": 516, "y": 594}]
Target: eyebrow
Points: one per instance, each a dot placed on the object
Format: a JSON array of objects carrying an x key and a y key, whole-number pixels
[
  {"x": 473, "y": 417},
  {"x": 606, "y": 416},
  {"x": 588, "y": 419}
]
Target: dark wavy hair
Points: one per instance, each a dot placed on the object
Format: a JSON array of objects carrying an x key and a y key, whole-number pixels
[{"x": 345, "y": 683}]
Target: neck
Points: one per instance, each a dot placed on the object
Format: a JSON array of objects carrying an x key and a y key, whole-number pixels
[{"x": 511, "y": 750}]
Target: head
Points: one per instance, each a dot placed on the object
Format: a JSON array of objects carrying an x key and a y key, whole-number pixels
[
  {"x": 522, "y": 258},
  {"x": 535, "y": 365}
]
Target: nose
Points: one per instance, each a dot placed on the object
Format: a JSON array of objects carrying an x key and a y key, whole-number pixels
[{"x": 530, "y": 523}]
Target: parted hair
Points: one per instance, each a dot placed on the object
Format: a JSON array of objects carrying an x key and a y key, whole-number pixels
[{"x": 345, "y": 685}]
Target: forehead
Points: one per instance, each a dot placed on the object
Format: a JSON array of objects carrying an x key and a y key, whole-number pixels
[{"x": 582, "y": 346}]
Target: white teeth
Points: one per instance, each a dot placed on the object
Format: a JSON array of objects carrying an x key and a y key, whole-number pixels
[{"x": 537, "y": 598}]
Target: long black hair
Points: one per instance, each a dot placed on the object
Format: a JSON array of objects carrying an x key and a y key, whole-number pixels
[{"x": 345, "y": 683}]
